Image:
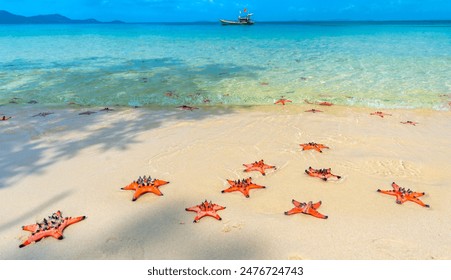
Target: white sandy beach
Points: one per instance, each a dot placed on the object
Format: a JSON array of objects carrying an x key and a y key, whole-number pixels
[{"x": 78, "y": 163}]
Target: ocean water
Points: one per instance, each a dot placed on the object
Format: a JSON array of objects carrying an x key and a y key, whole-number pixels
[{"x": 389, "y": 65}]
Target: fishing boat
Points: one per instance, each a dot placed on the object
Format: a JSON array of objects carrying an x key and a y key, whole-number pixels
[{"x": 242, "y": 20}]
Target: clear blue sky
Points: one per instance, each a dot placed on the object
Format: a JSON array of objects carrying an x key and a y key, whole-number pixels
[{"x": 211, "y": 10}]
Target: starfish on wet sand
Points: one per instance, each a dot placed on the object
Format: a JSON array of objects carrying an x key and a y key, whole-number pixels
[
  {"x": 43, "y": 114},
  {"x": 323, "y": 174},
  {"x": 314, "y": 146},
  {"x": 145, "y": 185},
  {"x": 206, "y": 209},
  {"x": 87, "y": 113},
  {"x": 243, "y": 186},
  {"x": 187, "y": 108},
  {"x": 325, "y": 103},
  {"x": 308, "y": 208},
  {"x": 258, "y": 166},
  {"x": 410, "y": 122},
  {"x": 314, "y": 111},
  {"x": 380, "y": 114},
  {"x": 403, "y": 195},
  {"x": 106, "y": 109},
  {"x": 53, "y": 226},
  {"x": 282, "y": 101}
]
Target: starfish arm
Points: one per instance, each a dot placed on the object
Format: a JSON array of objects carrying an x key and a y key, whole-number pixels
[
  {"x": 214, "y": 215},
  {"x": 261, "y": 170},
  {"x": 318, "y": 149},
  {"x": 244, "y": 191},
  {"x": 255, "y": 186},
  {"x": 315, "y": 213},
  {"x": 157, "y": 183},
  {"x": 416, "y": 200},
  {"x": 389, "y": 192},
  {"x": 57, "y": 234},
  {"x": 417, "y": 194},
  {"x": 254, "y": 168},
  {"x": 316, "y": 205},
  {"x": 133, "y": 186},
  {"x": 395, "y": 186},
  {"x": 31, "y": 228},
  {"x": 295, "y": 210},
  {"x": 36, "y": 237},
  {"x": 266, "y": 166},
  {"x": 296, "y": 203},
  {"x": 194, "y": 208},
  {"x": 278, "y": 102},
  {"x": 217, "y": 207},
  {"x": 231, "y": 182},
  {"x": 72, "y": 221},
  {"x": 199, "y": 216},
  {"x": 231, "y": 189}
]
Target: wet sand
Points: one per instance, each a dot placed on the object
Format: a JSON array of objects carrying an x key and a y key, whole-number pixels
[{"x": 78, "y": 163}]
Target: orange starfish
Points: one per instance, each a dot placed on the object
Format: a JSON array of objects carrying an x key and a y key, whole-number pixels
[
  {"x": 314, "y": 146},
  {"x": 206, "y": 209},
  {"x": 314, "y": 111},
  {"x": 282, "y": 101},
  {"x": 306, "y": 208},
  {"x": 144, "y": 185},
  {"x": 53, "y": 227},
  {"x": 380, "y": 114},
  {"x": 325, "y": 103},
  {"x": 187, "y": 108},
  {"x": 410, "y": 122},
  {"x": 243, "y": 186},
  {"x": 257, "y": 166},
  {"x": 321, "y": 173},
  {"x": 403, "y": 195}
]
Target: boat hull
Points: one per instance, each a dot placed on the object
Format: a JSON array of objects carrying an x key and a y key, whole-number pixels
[{"x": 231, "y": 22}]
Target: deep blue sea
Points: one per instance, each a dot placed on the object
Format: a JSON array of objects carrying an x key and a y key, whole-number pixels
[{"x": 380, "y": 65}]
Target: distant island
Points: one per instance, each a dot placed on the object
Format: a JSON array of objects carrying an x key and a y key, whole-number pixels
[{"x": 9, "y": 18}]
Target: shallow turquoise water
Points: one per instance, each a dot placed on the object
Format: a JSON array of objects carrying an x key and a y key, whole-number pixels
[{"x": 402, "y": 65}]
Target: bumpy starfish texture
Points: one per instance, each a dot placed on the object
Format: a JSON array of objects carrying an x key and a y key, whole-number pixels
[
  {"x": 314, "y": 146},
  {"x": 403, "y": 195},
  {"x": 243, "y": 186},
  {"x": 206, "y": 209},
  {"x": 308, "y": 208},
  {"x": 258, "y": 166},
  {"x": 282, "y": 101},
  {"x": 380, "y": 114},
  {"x": 145, "y": 185},
  {"x": 53, "y": 227},
  {"x": 323, "y": 174}
]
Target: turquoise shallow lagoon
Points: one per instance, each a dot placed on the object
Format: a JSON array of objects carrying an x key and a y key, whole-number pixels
[{"x": 380, "y": 65}]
